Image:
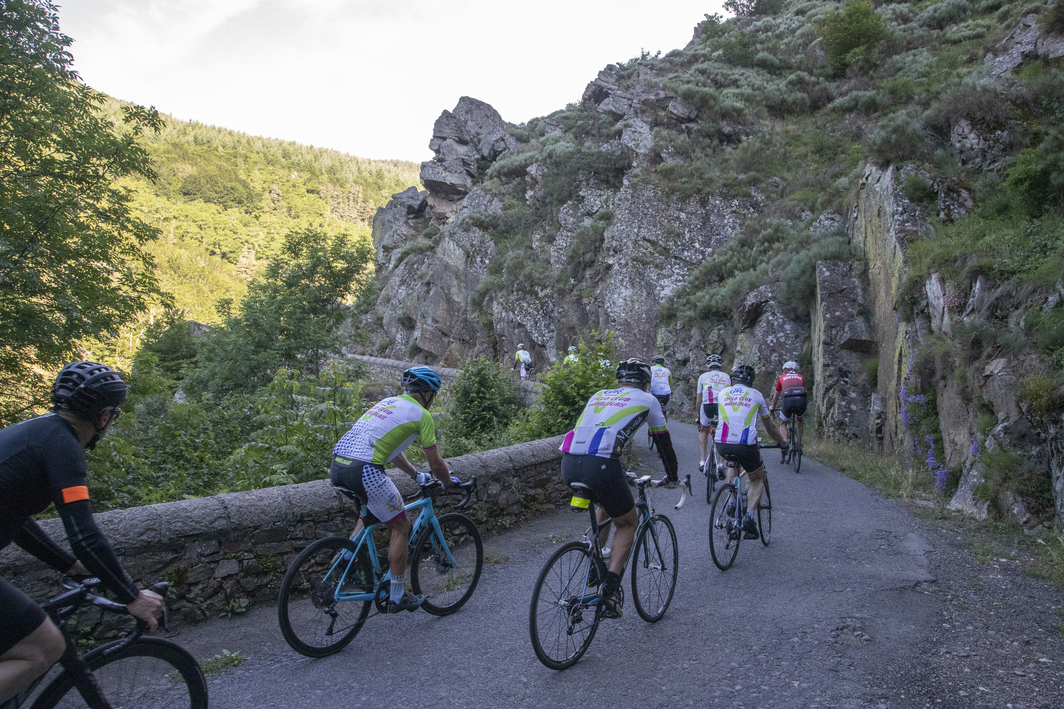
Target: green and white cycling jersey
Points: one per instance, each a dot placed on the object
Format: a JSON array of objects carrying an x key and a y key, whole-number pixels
[
  {"x": 610, "y": 418},
  {"x": 711, "y": 383},
  {"x": 660, "y": 380},
  {"x": 386, "y": 430},
  {"x": 738, "y": 407}
]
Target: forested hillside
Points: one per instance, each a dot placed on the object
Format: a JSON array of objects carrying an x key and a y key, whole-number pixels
[{"x": 223, "y": 202}]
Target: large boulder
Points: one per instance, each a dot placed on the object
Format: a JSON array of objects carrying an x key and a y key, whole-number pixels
[
  {"x": 460, "y": 139},
  {"x": 767, "y": 336}
]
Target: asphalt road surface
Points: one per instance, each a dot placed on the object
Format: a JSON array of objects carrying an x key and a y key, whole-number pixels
[{"x": 837, "y": 612}]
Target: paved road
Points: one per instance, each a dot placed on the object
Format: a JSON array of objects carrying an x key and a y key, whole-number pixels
[{"x": 839, "y": 598}]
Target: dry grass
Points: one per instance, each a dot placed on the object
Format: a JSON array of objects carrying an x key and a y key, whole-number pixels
[{"x": 890, "y": 475}]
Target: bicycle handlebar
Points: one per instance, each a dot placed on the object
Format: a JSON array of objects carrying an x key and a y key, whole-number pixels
[
  {"x": 466, "y": 489},
  {"x": 78, "y": 594}
]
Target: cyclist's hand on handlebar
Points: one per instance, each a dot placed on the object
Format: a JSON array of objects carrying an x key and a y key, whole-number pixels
[{"x": 147, "y": 606}]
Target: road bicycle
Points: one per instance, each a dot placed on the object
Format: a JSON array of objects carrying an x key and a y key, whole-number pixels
[
  {"x": 726, "y": 517},
  {"x": 328, "y": 591},
  {"x": 710, "y": 469},
  {"x": 134, "y": 671},
  {"x": 566, "y": 607}
]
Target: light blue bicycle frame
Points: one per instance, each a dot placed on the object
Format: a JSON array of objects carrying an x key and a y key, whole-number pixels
[{"x": 364, "y": 537}]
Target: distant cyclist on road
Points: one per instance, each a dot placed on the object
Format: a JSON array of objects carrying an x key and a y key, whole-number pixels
[
  {"x": 792, "y": 386},
  {"x": 379, "y": 437},
  {"x": 524, "y": 359},
  {"x": 661, "y": 383},
  {"x": 739, "y": 407},
  {"x": 571, "y": 358},
  {"x": 709, "y": 385},
  {"x": 42, "y": 461},
  {"x": 591, "y": 455}
]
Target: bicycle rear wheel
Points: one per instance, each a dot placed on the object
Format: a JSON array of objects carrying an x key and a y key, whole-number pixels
[
  {"x": 798, "y": 454},
  {"x": 312, "y": 621},
  {"x": 655, "y": 566},
  {"x": 561, "y": 620},
  {"x": 764, "y": 515},
  {"x": 723, "y": 526},
  {"x": 447, "y": 584},
  {"x": 149, "y": 672}
]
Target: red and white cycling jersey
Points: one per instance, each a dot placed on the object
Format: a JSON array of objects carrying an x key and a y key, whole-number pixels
[{"x": 789, "y": 380}]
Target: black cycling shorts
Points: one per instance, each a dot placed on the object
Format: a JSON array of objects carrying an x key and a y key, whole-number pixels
[
  {"x": 747, "y": 455},
  {"x": 794, "y": 405},
  {"x": 605, "y": 477},
  {"x": 663, "y": 399},
  {"x": 19, "y": 616}
]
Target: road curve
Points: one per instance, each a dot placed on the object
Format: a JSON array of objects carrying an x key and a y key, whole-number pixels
[{"x": 817, "y": 619}]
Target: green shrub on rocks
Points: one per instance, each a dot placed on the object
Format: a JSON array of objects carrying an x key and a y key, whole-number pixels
[{"x": 478, "y": 409}]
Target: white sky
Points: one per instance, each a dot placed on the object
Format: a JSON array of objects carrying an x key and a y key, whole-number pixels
[{"x": 367, "y": 77}]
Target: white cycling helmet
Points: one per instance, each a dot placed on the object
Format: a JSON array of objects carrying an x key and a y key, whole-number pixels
[
  {"x": 572, "y": 348},
  {"x": 521, "y": 346},
  {"x": 790, "y": 366}
]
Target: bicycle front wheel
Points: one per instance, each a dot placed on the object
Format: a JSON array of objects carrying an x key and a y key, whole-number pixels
[
  {"x": 655, "y": 566},
  {"x": 312, "y": 620},
  {"x": 149, "y": 672},
  {"x": 447, "y": 573},
  {"x": 725, "y": 531},
  {"x": 562, "y": 620},
  {"x": 764, "y": 515}
]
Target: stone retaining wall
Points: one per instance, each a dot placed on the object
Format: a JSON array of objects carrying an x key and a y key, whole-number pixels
[
  {"x": 223, "y": 554},
  {"x": 389, "y": 370}
]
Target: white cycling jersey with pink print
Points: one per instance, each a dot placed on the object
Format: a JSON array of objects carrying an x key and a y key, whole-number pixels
[
  {"x": 739, "y": 407},
  {"x": 711, "y": 383},
  {"x": 610, "y": 419}
]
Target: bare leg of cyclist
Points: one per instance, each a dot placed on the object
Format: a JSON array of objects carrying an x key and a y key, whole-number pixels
[
  {"x": 398, "y": 598},
  {"x": 30, "y": 658},
  {"x": 703, "y": 440},
  {"x": 622, "y": 540},
  {"x": 604, "y": 526},
  {"x": 801, "y": 429},
  {"x": 757, "y": 486}
]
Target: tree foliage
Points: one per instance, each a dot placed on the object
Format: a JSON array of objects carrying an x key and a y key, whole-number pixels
[
  {"x": 851, "y": 34},
  {"x": 290, "y": 317},
  {"x": 72, "y": 256},
  {"x": 479, "y": 407}
]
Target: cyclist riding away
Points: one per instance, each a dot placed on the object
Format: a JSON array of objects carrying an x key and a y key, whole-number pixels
[
  {"x": 710, "y": 385},
  {"x": 571, "y": 358},
  {"x": 661, "y": 383},
  {"x": 591, "y": 455},
  {"x": 42, "y": 461},
  {"x": 792, "y": 385},
  {"x": 524, "y": 359},
  {"x": 379, "y": 437},
  {"x": 739, "y": 407}
]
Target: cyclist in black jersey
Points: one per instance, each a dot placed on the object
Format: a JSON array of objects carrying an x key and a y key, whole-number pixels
[{"x": 42, "y": 461}]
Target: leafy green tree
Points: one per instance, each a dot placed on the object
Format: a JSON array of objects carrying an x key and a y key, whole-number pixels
[
  {"x": 566, "y": 387},
  {"x": 297, "y": 425},
  {"x": 851, "y": 35},
  {"x": 71, "y": 250},
  {"x": 479, "y": 407},
  {"x": 290, "y": 317}
]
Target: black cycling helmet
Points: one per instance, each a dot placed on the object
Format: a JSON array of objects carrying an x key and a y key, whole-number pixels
[
  {"x": 658, "y": 359},
  {"x": 634, "y": 371},
  {"x": 420, "y": 380},
  {"x": 714, "y": 360},
  {"x": 87, "y": 388},
  {"x": 744, "y": 374}
]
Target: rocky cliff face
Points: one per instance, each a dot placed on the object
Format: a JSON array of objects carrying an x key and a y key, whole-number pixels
[{"x": 543, "y": 233}]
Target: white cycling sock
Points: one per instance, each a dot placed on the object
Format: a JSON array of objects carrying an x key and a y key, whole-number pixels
[{"x": 396, "y": 592}]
